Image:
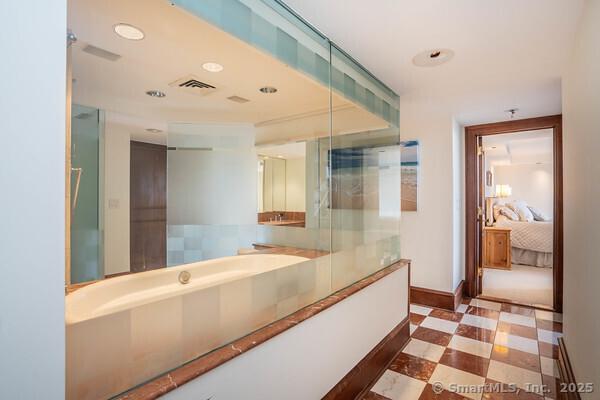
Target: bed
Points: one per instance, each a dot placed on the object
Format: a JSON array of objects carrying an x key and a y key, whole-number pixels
[{"x": 531, "y": 241}]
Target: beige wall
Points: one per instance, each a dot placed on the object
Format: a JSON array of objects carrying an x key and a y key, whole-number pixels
[
  {"x": 116, "y": 196},
  {"x": 581, "y": 103},
  {"x": 295, "y": 184},
  {"x": 427, "y": 236},
  {"x": 529, "y": 182}
]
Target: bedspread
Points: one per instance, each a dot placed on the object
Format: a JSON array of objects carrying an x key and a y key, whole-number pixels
[{"x": 536, "y": 236}]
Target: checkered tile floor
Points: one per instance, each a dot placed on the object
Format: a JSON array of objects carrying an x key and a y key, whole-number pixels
[{"x": 482, "y": 343}]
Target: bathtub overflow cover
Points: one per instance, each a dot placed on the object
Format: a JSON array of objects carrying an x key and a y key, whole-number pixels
[{"x": 184, "y": 277}]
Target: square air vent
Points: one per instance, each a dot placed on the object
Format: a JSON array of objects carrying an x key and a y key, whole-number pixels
[{"x": 193, "y": 85}]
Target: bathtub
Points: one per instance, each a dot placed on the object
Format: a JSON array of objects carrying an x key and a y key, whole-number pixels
[
  {"x": 125, "y": 330},
  {"x": 129, "y": 291}
]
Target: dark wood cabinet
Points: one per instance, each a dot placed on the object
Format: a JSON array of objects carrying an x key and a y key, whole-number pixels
[{"x": 148, "y": 210}]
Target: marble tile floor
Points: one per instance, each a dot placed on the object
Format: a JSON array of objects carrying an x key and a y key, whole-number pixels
[{"x": 484, "y": 350}]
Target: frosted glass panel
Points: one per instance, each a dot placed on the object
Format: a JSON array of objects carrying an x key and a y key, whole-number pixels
[{"x": 86, "y": 263}]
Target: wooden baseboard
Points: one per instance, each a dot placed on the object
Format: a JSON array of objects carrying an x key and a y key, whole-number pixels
[
  {"x": 566, "y": 370},
  {"x": 365, "y": 374},
  {"x": 436, "y": 298}
]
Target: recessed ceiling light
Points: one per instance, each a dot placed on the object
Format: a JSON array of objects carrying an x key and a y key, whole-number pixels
[
  {"x": 279, "y": 156},
  {"x": 212, "y": 67},
  {"x": 268, "y": 89},
  {"x": 154, "y": 130},
  {"x": 433, "y": 58},
  {"x": 155, "y": 93},
  {"x": 128, "y": 32}
]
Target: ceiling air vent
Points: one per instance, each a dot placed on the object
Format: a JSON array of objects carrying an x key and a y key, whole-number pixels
[
  {"x": 191, "y": 84},
  {"x": 98, "y": 52},
  {"x": 238, "y": 99}
]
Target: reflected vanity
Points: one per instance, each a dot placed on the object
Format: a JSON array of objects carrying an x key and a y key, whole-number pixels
[{"x": 253, "y": 156}]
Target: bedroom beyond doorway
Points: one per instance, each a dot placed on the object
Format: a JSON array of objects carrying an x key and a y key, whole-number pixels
[
  {"x": 518, "y": 207},
  {"x": 514, "y": 211}
]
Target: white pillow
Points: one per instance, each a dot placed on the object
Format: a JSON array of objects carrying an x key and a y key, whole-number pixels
[
  {"x": 520, "y": 207},
  {"x": 538, "y": 215},
  {"x": 508, "y": 213}
]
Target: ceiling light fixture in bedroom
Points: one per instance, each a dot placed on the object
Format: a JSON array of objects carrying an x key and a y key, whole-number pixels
[{"x": 512, "y": 112}]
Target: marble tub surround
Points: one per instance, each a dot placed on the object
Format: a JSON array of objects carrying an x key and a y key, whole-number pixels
[
  {"x": 185, "y": 373},
  {"x": 519, "y": 347},
  {"x": 290, "y": 251}
]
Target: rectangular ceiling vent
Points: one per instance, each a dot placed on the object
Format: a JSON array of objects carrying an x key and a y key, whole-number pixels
[
  {"x": 98, "y": 52},
  {"x": 191, "y": 84},
  {"x": 238, "y": 99}
]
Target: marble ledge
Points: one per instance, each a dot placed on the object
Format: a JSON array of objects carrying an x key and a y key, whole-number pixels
[{"x": 195, "y": 368}]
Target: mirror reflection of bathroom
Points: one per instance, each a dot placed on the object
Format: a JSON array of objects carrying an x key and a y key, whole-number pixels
[
  {"x": 234, "y": 158},
  {"x": 282, "y": 185},
  {"x": 168, "y": 131}
]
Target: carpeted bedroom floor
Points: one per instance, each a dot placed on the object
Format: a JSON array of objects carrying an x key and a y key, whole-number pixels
[{"x": 524, "y": 284}]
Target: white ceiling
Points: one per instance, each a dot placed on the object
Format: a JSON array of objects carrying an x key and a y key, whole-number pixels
[
  {"x": 286, "y": 151},
  {"x": 176, "y": 44},
  {"x": 528, "y": 147},
  {"x": 508, "y": 53}
]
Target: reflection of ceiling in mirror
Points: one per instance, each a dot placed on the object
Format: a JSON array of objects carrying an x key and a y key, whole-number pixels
[
  {"x": 286, "y": 151},
  {"x": 299, "y": 108}
]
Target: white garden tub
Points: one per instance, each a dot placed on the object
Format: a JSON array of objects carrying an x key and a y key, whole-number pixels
[
  {"x": 125, "y": 330},
  {"x": 129, "y": 291}
]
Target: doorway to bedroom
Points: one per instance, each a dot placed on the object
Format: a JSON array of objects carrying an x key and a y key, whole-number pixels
[{"x": 514, "y": 212}]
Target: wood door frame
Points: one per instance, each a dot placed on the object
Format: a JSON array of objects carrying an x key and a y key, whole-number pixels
[{"x": 472, "y": 133}]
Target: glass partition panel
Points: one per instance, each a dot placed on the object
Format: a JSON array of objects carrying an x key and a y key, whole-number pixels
[
  {"x": 86, "y": 191},
  {"x": 248, "y": 171},
  {"x": 364, "y": 173}
]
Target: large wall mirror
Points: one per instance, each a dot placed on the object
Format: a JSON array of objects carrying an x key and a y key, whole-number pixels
[
  {"x": 196, "y": 154},
  {"x": 229, "y": 166},
  {"x": 282, "y": 184}
]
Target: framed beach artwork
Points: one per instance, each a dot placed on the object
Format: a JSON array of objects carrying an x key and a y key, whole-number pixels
[{"x": 409, "y": 174}]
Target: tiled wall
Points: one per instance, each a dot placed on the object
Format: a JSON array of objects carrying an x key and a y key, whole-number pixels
[{"x": 191, "y": 243}]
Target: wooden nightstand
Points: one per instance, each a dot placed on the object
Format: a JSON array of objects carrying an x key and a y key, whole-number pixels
[{"x": 496, "y": 247}]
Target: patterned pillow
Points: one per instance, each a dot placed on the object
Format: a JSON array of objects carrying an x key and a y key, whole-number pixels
[
  {"x": 520, "y": 208},
  {"x": 538, "y": 215}
]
